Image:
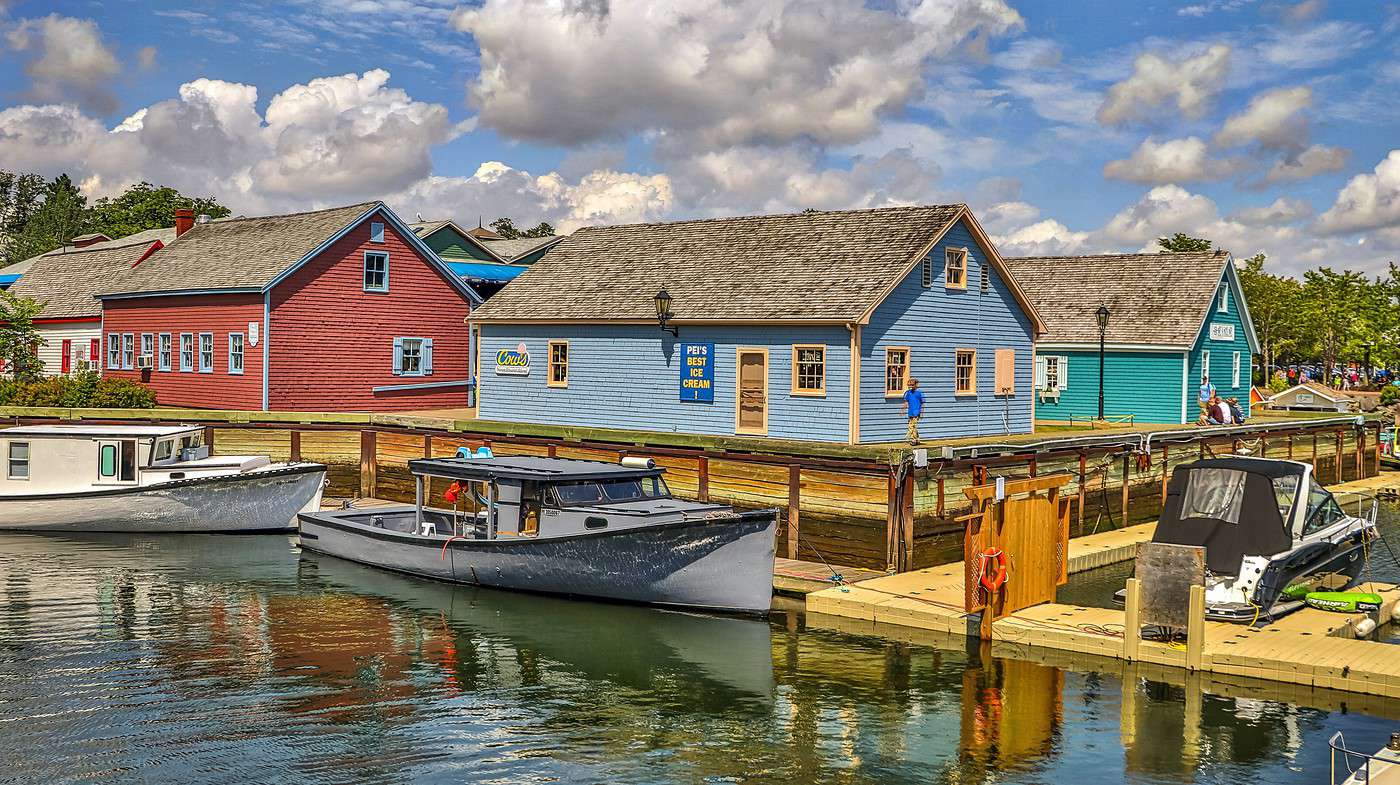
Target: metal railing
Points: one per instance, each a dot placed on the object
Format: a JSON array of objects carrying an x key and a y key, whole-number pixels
[{"x": 1361, "y": 774}]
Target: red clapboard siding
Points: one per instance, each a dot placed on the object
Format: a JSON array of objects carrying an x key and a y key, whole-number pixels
[
  {"x": 332, "y": 342},
  {"x": 220, "y": 314}
]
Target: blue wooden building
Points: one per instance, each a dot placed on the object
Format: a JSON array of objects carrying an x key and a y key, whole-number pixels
[
  {"x": 805, "y": 326},
  {"x": 1174, "y": 319}
]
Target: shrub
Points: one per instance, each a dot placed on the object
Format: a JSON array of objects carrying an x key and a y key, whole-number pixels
[
  {"x": 1278, "y": 382},
  {"x": 1390, "y": 395},
  {"x": 84, "y": 390}
]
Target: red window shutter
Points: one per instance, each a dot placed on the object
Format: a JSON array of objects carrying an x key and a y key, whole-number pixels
[
  {"x": 67, "y": 361},
  {"x": 94, "y": 352}
]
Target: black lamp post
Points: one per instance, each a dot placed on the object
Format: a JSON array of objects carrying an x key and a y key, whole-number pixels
[
  {"x": 663, "y": 312},
  {"x": 1102, "y": 315}
]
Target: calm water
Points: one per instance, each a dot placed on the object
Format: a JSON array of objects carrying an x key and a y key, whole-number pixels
[{"x": 239, "y": 660}]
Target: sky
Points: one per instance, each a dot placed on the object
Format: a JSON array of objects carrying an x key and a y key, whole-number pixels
[{"x": 1069, "y": 127}]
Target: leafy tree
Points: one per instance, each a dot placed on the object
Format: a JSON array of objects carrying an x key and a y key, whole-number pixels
[
  {"x": 1331, "y": 311},
  {"x": 144, "y": 206},
  {"x": 19, "y": 338},
  {"x": 61, "y": 216},
  {"x": 1183, "y": 243},
  {"x": 19, "y": 197},
  {"x": 1273, "y": 307},
  {"x": 505, "y": 227}
]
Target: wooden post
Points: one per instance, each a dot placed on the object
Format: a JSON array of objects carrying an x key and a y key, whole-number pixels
[
  {"x": 552, "y": 450},
  {"x": 1263, "y": 445},
  {"x": 368, "y": 473},
  {"x": 1339, "y": 455},
  {"x": 1196, "y": 628},
  {"x": 1083, "y": 470},
  {"x": 794, "y": 505},
  {"x": 1166, "y": 472},
  {"x": 1361, "y": 453},
  {"x": 1378, "y": 448},
  {"x": 1314, "y": 452},
  {"x": 1290, "y": 446},
  {"x": 1030, "y": 466},
  {"x": 209, "y": 438},
  {"x": 941, "y": 509},
  {"x": 295, "y": 456},
  {"x": 906, "y": 511},
  {"x": 1127, "y": 457},
  {"x": 428, "y": 481},
  {"x": 702, "y": 470},
  {"x": 1132, "y": 620},
  {"x": 893, "y": 504}
]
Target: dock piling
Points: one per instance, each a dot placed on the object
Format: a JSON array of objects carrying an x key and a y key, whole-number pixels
[
  {"x": 1132, "y": 620},
  {"x": 1196, "y": 628}
]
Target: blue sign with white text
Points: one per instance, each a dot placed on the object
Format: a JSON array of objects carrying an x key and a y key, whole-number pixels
[{"x": 698, "y": 372}]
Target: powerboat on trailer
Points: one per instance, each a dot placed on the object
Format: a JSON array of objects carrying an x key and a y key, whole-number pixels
[
  {"x": 1272, "y": 534},
  {"x": 561, "y": 526},
  {"x": 145, "y": 478}
]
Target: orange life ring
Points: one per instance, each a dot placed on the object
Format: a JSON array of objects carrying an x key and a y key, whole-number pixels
[{"x": 993, "y": 569}]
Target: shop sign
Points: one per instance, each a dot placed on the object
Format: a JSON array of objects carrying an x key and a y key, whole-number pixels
[
  {"x": 513, "y": 362},
  {"x": 1222, "y": 332},
  {"x": 698, "y": 372}
]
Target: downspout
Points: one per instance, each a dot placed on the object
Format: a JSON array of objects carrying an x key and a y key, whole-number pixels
[
  {"x": 267, "y": 341},
  {"x": 853, "y": 415}
]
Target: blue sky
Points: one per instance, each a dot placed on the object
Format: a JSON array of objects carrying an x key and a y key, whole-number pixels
[{"x": 1070, "y": 127}]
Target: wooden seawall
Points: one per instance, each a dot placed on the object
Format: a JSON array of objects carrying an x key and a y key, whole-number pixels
[{"x": 856, "y": 506}]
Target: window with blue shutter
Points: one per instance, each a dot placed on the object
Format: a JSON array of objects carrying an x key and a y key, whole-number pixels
[
  {"x": 376, "y": 232},
  {"x": 413, "y": 356},
  {"x": 427, "y": 356},
  {"x": 398, "y": 357}
]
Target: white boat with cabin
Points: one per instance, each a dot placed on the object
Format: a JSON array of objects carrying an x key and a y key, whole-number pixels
[{"x": 145, "y": 478}]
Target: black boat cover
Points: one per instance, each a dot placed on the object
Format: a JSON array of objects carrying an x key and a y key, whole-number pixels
[{"x": 1231, "y": 507}]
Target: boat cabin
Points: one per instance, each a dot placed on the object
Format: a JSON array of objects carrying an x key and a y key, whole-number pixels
[
  {"x": 532, "y": 496},
  {"x": 70, "y": 458}
]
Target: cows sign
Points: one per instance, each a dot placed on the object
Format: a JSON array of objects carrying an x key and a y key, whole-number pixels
[
  {"x": 513, "y": 362},
  {"x": 698, "y": 372}
]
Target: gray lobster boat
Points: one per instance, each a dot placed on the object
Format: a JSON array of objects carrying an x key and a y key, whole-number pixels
[{"x": 561, "y": 526}]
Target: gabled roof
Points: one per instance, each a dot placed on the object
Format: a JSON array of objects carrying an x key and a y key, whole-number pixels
[
  {"x": 426, "y": 229},
  {"x": 254, "y": 254},
  {"x": 1335, "y": 396},
  {"x": 240, "y": 254},
  {"x": 510, "y": 250},
  {"x": 66, "y": 279},
  {"x": 825, "y": 267},
  {"x": 1154, "y": 299}
]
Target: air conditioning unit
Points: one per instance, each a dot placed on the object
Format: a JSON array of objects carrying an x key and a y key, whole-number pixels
[{"x": 145, "y": 361}]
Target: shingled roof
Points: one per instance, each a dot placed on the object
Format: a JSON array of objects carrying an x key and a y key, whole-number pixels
[
  {"x": 65, "y": 279},
  {"x": 520, "y": 246},
  {"x": 813, "y": 266},
  {"x": 1158, "y": 299},
  {"x": 234, "y": 253}
]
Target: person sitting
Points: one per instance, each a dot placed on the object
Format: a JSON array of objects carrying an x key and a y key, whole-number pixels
[
  {"x": 1217, "y": 412},
  {"x": 1236, "y": 413}
]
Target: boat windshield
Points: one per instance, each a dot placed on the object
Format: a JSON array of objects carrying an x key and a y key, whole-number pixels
[
  {"x": 1285, "y": 491},
  {"x": 610, "y": 491},
  {"x": 1323, "y": 510}
]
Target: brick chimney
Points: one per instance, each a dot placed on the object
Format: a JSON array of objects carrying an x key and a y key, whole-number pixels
[{"x": 184, "y": 221}]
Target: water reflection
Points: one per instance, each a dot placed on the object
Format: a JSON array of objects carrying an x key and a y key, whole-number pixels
[{"x": 237, "y": 659}]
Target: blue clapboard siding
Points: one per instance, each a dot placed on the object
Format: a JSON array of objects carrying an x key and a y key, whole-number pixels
[
  {"x": 1146, "y": 385},
  {"x": 627, "y": 376},
  {"x": 1222, "y": 352},
  {"x": 934, "y": 322}
]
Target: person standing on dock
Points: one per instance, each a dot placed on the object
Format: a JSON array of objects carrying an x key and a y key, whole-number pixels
[
  {"x": 914, "y": 408},
  {"x": 1206, "y": 395}
]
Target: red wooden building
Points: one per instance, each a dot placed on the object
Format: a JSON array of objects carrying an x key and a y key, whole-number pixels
[{"x": 334, "y": 310}]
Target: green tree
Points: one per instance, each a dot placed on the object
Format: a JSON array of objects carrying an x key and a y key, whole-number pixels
[
  {"x": 144, "y": 206},
  {"x": 1332, "y": 312},
  {"x": 505, "y": 227},
  {"x": 20, "y": 196},
  {"x": 1183, "y": 243},
  {"x": 60, "y": 216},
  {"x": 19, "y": 338},
  {"x": 1273, "y": 302}
]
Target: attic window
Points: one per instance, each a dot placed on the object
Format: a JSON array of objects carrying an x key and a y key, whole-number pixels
[
  {"x": 986, "y": 278},
  {"x": 955, "y": 268},
  {"x": 926, "y": 274},
  {"x": 376, "y": 232},
  {"x": 1224, "y": 305}
]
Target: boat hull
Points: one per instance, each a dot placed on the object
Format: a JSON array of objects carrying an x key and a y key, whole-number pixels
[
  {"x": 258, "y": 501},
  {"x": 714, "y": 564}
]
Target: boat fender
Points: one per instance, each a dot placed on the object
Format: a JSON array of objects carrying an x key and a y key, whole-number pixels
[
  {"x": 451, "y": 493},
  {"x": 993, "y": 569},
  {"x": 1364, "y": 627},
  {"x": 638, "y": 462},
  {"x": 1343, "y": 601}
]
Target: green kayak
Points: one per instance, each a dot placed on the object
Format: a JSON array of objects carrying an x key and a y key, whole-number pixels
[{"x": 1343, "y": 601}]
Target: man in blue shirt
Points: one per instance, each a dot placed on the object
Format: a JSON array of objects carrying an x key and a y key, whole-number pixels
[
  {"x": 1206, "y": 395},
  {"x": 913, "y": 408}
]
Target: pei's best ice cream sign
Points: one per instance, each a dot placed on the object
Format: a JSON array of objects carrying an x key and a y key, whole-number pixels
[{"x": 513, "y": 362}]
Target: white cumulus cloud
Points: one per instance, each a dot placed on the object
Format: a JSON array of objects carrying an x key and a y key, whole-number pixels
[
  {"x": 1170, "y": 161},
  {"x": 1367, "y": 201},
  {"x": 1273, "y": 119},
  {"x": 1190, "y": 85},
  {"x": 68, "y": 61}
]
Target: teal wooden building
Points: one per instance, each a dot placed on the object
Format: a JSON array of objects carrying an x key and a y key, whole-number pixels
[
  {"x": 1174, "y": 320},
  {"x": 482, "y": 258}
]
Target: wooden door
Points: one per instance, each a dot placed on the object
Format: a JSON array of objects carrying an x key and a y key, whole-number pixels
[
  {"x": 752, "y": 397},
  {"x": 66, "y": 356}
]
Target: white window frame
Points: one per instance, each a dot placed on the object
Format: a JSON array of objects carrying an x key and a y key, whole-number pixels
[
  {"x": 376, "y": 232},
  {"x": 10, "y": 461},
  {"x": 187, "y": 351},
  {"x": 202, "y": 367},
  {"x": 1052, "y": 372},
  {"x": 364, "y": 280},
  {"x": 1235, "y": 383},
  {"x": 235, "y": 339},
  {"x": 114, "y": 351},
  {"x": 163, "y": 347},
  {"x": 128, "y": 351},
  {"x": 1223, "y": 305},
  {"x": 148, "y": 344},
  {"x": 1205, "y": 365},
  {"x": 403, "y": 356}
]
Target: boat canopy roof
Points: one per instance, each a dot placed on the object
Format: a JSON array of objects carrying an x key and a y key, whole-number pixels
[
  {"x": 1233, "y": 507},
  {"x": 527, "y": 467},
  {"x": 99, "y": 431}
]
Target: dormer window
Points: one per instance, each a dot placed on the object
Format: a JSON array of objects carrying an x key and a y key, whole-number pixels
[{"x": 1224, "y": 305}]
